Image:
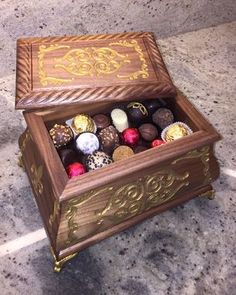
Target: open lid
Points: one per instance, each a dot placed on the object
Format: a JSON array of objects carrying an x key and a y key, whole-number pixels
[{"x": 56, "y": 71}]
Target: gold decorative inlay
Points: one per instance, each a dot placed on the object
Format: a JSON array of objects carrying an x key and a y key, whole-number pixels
[
  {"x": 143, "y": 72},
  {"x": 25, "y": 141},
  {"x": 91, "y": 61},
  {"x": 44, "y": 78},
  {"x": 36, "y": 178},
  {"x": 128, "y": 200},
  {"x": 54, "y": 214},
  {"x": 204, "y": 155},
  {"x": 26, "y": 138}
]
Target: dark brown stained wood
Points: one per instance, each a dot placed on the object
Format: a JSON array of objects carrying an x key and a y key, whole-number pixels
[
  {"x": 40, "y": 183},
  {"x": 128, "y": 223},
  {"x": 110, "y": 204},
  {"x": 57, "y": 71},
  {"x": 59, "y": 77},
  {"x": 47, "y": 152}
]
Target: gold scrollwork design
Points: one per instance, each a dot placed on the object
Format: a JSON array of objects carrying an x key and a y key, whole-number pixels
[
  {"x": 72, "y": 208},
  {"x": 91, "y": 61},
  {"x": 54, "y": 214},
  {"x": 128, "y": 200},
  {"x": 204, "y": 155},
  {"x": 143, "y": 72},
  {"x": 26, "y": 139},
  {"x": 44, "y": 78},
  {"x": 36, "y": 178}
]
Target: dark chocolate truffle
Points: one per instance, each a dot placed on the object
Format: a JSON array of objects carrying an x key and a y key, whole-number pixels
[
  {"x": 61, "y": 135},
  {"x": 101, "y": 121},
  {"x": 109, "y": 139},
  {"x": 152, "y": 105},
  {"x": 148, "y": 131},
  {"x": 97, "y": 160},
  {"x": 163, "y": 117},
  {"x": 140, "y": 148},
  {"x": 137, "y": 113},
  {"x": 68, "y": 156}
]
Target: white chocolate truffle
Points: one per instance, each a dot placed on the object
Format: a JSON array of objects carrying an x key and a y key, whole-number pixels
[{"x": 119, "y": 119}]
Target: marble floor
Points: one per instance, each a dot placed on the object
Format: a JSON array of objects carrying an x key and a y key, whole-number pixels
[{"x": 187, "y": 250}]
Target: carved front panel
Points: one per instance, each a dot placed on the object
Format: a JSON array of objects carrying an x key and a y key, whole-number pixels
[{"x": 102, "y": 208}]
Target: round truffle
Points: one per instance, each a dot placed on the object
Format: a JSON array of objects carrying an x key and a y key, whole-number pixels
[
  {"x": 101, "y": 121},
  {"x": 137, "y": 112},
  {"x": 109, "y": 139},
  {"x": 163, "y": 117},
  {"x": 75, "y": 169},
  {"x": 97, "y": 160},
  {"x": 68, "y": 156},
  {"x": 61, "y": 135},
  {"x": 175, "y": 131},
  {"x": 87, "y": 143},
  {"x": 152, "y": 105},
  {"x": 157, "y": 142},
  {"x": 130, "y": 136},
  {"x": 122, "y": 152},
  {"x": 83, "y": 123},
  {"x": 119, "y": 119},
  {"x": 148, "y": 131}
]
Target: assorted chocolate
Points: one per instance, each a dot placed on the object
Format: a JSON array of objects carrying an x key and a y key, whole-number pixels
[
  {"x": 61, "y": 135},
  {"x": 98, "y": 160},
  {"x": 89, "y": 143}
]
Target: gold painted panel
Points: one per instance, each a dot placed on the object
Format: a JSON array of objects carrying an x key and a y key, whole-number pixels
[{"x": 91, "y": 62}]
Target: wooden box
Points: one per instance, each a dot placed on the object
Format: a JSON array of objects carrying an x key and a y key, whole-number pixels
[{"x": 58, "y": 77}]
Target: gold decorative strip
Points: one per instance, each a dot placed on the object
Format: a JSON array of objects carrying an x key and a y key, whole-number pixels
[
  {"x": 44, "y": 78},
  {"x": 36, "y": 178},
  {"x": 143, "y": 72},
  {"x": 204, "y": 155},
  {"x": 128, "y": 200},
  {"x": 53, "y": 216},
  {"x": 26, "y": 139}
]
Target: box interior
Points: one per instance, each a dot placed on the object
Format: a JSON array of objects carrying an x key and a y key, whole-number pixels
[{"x": 61, "y": 115}]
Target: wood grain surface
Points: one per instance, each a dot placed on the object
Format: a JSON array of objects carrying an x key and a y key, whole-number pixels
[
  {"x": 57, "y": 71},
  {"x": 80, "y": 211}
]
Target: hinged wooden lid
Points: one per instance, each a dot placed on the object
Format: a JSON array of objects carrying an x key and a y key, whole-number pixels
[{"x": 56, "y": 71}]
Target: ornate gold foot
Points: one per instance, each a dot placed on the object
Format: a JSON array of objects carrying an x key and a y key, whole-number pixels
[
  {"x": 58, "y": 264},
  {"x": 209, "y": 194},
  {"x": 20, "y": 162}
]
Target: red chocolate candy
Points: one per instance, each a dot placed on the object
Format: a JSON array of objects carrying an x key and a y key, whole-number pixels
[
  {"x": 75, "y": 169},
  {"x": 130, "y": 136},
  {"x": 157, "y": 142}
]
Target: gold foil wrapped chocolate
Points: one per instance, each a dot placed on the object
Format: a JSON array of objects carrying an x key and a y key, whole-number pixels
[
  {"x": 83, "y": 123},
  {"x": 175, "y": 131}
]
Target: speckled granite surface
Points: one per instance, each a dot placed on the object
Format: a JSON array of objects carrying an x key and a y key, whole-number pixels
[
  {"x": 54, "y": 17},
  {"x": 187, "y": 250}
]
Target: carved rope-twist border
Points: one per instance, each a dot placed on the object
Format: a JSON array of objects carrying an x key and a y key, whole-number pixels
[{"x": 26, "y": 97}]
